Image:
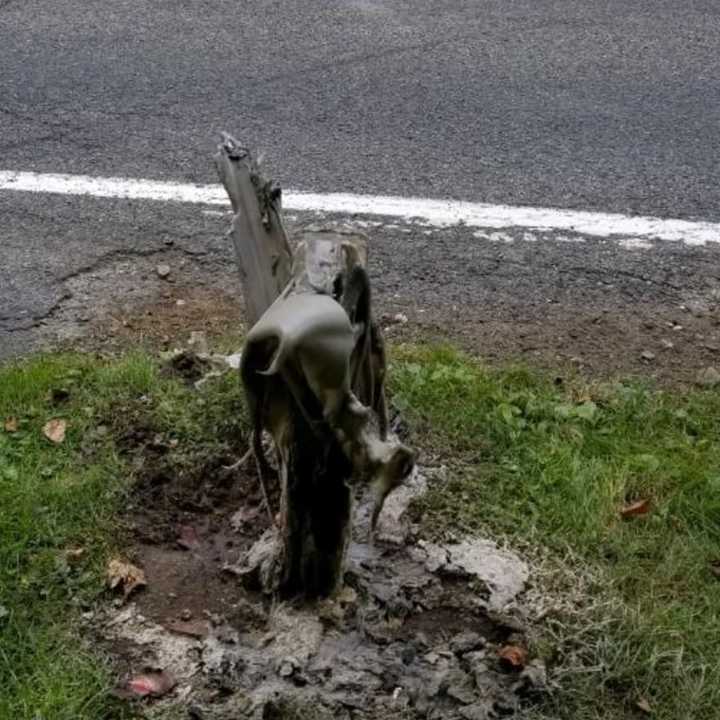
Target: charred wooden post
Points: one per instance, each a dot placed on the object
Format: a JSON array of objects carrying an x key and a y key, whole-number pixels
[
  {"x": 261, "y": 244},
  {"x": 313, "y": 369}
]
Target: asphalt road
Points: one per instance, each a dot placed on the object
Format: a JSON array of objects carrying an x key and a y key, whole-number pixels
[{"x": 610, "y": 105}]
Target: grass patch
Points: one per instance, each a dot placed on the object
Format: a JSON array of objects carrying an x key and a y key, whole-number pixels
[
  {"x": 553, "y": 464},
  {"x": 545, "y": 464},
  {"x": 58, "y": 498}
]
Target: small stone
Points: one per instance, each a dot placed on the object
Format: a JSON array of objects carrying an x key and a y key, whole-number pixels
[
  {"x": 421, "y": 641},
  {"x": 180, "y": 303},
  {"x": 186, "y": 614},
  {"x": 712, "y": 347},
  {"x": 436, "y": 685},
  {"x": 461, "y": 688},
  {"x": 647, "y": 355},
  {"x": 431, "y": 658},
  {"x": 163, "y": 270},
  {"x": 667, "y": 344},
  {"x": 287, "y": 667},
  {"x": 266, "y": 639},
  {"x": 198, "y": 342},
  {"x": 400, "y": 318},
  {"x": 466, "y": 642},
  {"x": 400, "y": 697},
  {"x": 698, "y": 309},
  {"x": 708, "y": 377},
  {"x": 533, "y": 678},
  {"x": 477, "y": 711}
]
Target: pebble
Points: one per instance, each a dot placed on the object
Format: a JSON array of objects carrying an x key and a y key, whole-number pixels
[
  {"x": 163, "y": 270},
  {"x": 408, "y": 654},
  {"x": 466, "y": 642},
  {"x": 199, "y": 342},
  {"x": 647, "y": 355},
  {"x": 708, "y": 377},
  {"x": 287, "y": 667},
  {"x": 432, "y": 658},
  {"x": 460, "y": 687}
]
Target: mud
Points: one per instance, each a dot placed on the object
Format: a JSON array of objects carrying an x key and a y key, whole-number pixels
[{"x": 415, "y": 631}]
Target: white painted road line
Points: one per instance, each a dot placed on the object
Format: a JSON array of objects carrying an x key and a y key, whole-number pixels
[{"x": 439, "y": 213}]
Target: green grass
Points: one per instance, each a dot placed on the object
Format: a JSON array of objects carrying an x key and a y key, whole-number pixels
[
  {"x": 56, "y": 498},
  {"x": 550, "y": 464}
]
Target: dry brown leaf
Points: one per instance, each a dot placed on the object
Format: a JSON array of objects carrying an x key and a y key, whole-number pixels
[
  {"x": 74, "y": 555},
  {"x": 639, "y": 507},
  {"x": 153, "y": 684},
  {"x": 125, "y": 576},
  {"x": 54, "y": 430},
  {"x": 513, "y": 657},
  {"x": 11, "y": 424},
  {"x": 644, "y": 705},
  {"x": 187, "y": 537}
]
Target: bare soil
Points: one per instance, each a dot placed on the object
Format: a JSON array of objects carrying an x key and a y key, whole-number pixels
[
  {"x": 586, "y": 309},
  {"x": 412, "y": 634}
]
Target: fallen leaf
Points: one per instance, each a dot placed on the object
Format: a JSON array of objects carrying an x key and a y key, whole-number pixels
[
  {"x": 644, "y": 705},
  {"x": 513, "y": 657},
  {"x": 124, "y": 575},
  {"x": 154, "y": 684},
  {"x": 639, "y": 507},
  {"x": 54, "y": 430},
  {"x": 74, "y": 555},
  {"x": 187, "y": 537},
  {"x": 11, "y": 424}
]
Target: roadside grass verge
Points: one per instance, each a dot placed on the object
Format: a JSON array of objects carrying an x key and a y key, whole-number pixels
[
  {"x": 547, "y": 465},
  {"x": 59, "y": 506},
  {"x": 552, "y": 464}
]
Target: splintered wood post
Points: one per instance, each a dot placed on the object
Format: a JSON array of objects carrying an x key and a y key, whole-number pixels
[
  {"x": 261, "y": 244},
  {"x": 313, "y": 370}
]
